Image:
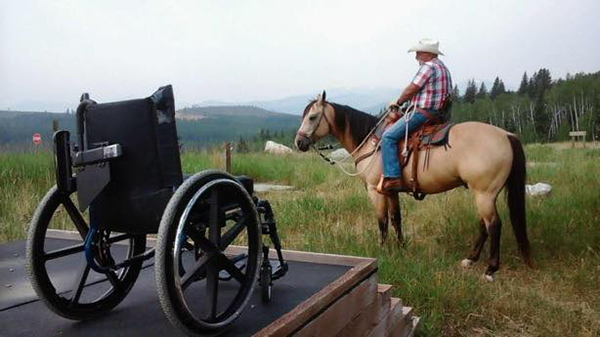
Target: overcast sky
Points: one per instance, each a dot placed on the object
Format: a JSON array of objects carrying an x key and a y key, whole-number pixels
[{"x": 52, "y": 51}]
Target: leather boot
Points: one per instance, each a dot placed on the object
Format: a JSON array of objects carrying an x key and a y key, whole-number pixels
[{"x": 389, "y": 185}]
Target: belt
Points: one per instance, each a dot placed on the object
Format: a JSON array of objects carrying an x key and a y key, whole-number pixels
[{"x": 431, "y": 115}]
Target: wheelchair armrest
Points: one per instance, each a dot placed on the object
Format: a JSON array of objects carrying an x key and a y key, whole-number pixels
[{"x": 97, "y": 155}]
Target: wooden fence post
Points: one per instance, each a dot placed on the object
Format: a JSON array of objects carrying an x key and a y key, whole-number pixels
[{"x": 228, "y": 157}]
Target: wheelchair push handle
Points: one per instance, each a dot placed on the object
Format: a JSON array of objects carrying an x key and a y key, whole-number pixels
[{"x": 84, "y": 102}]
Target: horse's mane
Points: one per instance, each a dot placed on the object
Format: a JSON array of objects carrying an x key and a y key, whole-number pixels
[{"x": 359, "y": 123}]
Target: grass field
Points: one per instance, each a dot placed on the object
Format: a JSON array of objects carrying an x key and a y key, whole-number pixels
[{"x": 329, "y": 212}]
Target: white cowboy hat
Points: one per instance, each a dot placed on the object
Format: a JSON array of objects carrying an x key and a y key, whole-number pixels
[{"x": 427, "y": 45}]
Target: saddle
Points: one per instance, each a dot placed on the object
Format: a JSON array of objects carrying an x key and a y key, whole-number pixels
[
  {"x": 429, "y": 135},
  {"x": 434, "y": 132}
]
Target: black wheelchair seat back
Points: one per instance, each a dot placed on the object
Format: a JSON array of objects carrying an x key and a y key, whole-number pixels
[{"x": 145, "y": 176}]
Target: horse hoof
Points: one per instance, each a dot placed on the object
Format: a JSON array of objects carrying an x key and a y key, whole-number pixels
[
  {"x": 489, "y": 278},
  {"x": 466, "y": 263}
]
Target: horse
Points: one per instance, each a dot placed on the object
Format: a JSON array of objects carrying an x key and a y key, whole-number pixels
[{"x": 481, "y": 157}]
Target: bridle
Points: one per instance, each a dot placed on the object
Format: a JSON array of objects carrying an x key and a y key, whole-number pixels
[{"x": 309, "y": 135}]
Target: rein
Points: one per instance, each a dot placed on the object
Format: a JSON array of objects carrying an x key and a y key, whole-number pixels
[{"x": 359, "y": 159}]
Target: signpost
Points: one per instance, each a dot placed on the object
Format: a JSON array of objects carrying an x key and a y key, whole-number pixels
[
  {"x": 576, "y": 135},
  {"x": 37, "y": 139}
]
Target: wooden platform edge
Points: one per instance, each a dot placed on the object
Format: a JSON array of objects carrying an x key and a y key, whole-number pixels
[
  {"x": 339, "y": 314},
  {"x": 311, "y": 308}
]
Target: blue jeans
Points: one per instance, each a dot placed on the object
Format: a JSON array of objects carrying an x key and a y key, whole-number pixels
[{"x": 389, "y": 143}]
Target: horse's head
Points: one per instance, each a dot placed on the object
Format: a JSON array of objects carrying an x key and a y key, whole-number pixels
[{"x": 315, "y": 123}]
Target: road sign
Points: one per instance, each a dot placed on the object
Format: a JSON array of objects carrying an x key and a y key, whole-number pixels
[{"x": 36, "y": 138}]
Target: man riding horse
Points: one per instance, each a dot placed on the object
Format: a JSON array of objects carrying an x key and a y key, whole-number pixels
[{"x": 428, "y": 93}]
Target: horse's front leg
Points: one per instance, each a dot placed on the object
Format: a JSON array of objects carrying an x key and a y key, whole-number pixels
[
  {"x": 380, "y": 204},
  {"x": 393, "y": 207}
]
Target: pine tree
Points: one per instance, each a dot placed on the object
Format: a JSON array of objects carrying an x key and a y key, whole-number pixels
[
  {"x": 482, "y": 93},
  {"x": 524, "y": 83},
  {"x": 541, "y": 117},
  {"x": 501, "y": 88},
  {"x": 470, "y": 92},
  {"x": 539, "y": 83},
  {"x": 455, "y": 93},
  {"x": 532, "y": 86},
  {"x": 543, "y": 80},
  {"x": 242, "y": 146},
  {"x": 495, "y": 89}
]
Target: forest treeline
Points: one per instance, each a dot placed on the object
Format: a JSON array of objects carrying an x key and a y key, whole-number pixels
[{"x": 541, "y": 110}]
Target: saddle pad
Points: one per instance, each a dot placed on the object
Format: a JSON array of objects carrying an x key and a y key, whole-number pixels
[{"x": 439, "y": 136}]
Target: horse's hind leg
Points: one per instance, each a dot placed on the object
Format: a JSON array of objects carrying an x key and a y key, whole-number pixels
[
  {"x": 393, "y": 207},
  {"x": 486, "y": 206},
  {"x": 380, "y": 204},
  {"x": 476, "y": 251}
]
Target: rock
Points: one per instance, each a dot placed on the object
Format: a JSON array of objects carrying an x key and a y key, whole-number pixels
[
  {"x": 275, "y": 148},
  {"x": 339, "y": 154},
  {"x": 258, "y": 187},
  {"x": 538, "y": 189}
]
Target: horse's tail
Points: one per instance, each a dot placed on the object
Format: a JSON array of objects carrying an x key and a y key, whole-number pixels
[{"x": 515, "y": 190}]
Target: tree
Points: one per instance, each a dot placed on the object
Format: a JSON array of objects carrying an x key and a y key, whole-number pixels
[
  {"x": 470, "y": 92},
  {"x": 541, "y": 117},
  {"x": 531, "y": 87},
  {"x": 543, "y": 81},
  {"x": 501, "y": 88},
  {"x": 539, "y": 83},
  {"x": 242, "y": 146},
  {"x": 523, "y": 88},
  {"x": 497, "y": 88},
  {"x": 482, "y": 93},
  {"x": 455, "y": 93}
]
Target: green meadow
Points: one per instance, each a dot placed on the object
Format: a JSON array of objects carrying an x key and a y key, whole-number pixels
[{"x": 330, "y": 212}]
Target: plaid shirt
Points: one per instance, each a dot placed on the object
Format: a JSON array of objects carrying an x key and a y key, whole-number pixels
[{"x": 435, "y": 82}]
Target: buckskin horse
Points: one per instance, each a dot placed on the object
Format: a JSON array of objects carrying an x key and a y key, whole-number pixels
[{"x": 482, "y": 157}]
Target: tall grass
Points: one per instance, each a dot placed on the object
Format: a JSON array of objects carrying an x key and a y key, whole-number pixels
[
  {"x": 330, "y": 212},
  {"x": 24, "y": 179}
]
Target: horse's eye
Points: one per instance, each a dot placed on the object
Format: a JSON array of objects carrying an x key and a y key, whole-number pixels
[{"x": 312, "y": 118}]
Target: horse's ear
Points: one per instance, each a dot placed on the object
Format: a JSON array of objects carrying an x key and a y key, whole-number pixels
[
  {"x": 324, "y": 96},
  {"x": 319, "y": 99}
]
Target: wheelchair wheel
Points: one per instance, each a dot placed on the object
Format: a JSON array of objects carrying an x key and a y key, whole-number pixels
[
  {"x": 207, "y": 214},
  {"x": 86, "y": 293}
]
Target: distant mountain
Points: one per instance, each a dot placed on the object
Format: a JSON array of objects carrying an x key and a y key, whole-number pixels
[
  {"x": 368, "y": 100},
  {"x": 45, "y": 106},
  {"x": 290, "y": 105},
  {"x": 234, "y": 110}
]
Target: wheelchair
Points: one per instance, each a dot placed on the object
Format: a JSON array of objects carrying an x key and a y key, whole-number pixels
[{"x": 120, "y": 188}]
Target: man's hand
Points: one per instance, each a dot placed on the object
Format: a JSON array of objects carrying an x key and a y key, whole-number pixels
[
  {"x": 392, "y": 117},
  {"x": 394, "y": 106}
]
